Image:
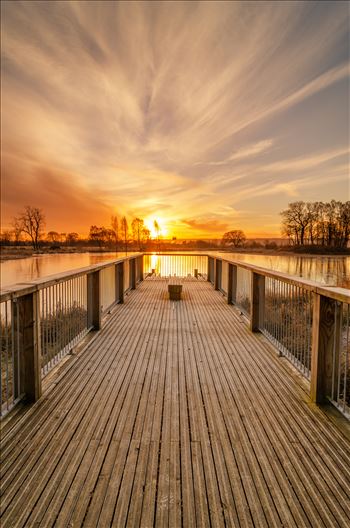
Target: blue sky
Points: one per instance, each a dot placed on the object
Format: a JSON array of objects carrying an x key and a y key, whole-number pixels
[{"x": 208, "y": 116}]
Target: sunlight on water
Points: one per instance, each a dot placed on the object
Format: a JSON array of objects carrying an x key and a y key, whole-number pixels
[{"x": 334, "y": 271}]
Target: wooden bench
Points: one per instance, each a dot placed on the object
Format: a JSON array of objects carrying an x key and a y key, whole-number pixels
[{"x": 175, "y": 290}]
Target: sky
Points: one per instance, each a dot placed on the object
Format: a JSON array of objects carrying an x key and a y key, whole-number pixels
[{"x": 207, "y": 116}]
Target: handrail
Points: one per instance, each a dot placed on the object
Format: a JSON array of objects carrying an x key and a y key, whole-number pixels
[
  {"x": 304, "y": 319},
  {"x": 24, "y": 288},
  {"x": 44, "y": 319},
  {"x": 333, "y": 292},
  {"x": 19, "y": 289}
]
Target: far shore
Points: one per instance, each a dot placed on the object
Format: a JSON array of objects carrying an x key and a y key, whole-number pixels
[{"x": 21, "y": 252}]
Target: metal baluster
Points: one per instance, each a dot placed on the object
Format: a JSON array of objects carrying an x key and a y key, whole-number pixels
[
  {"x": 7, "y": 355},
  {"x": 346, "y": 359}
]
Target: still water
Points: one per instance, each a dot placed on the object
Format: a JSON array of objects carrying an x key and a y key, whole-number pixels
[{"x": 334, "y": 271}]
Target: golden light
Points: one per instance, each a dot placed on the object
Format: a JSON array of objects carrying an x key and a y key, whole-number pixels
[{"x": 149, "y": 223}]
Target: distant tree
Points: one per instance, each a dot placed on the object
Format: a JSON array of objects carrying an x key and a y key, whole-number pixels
[
  {"x": 16, "y": 230},
  {"x": 295, "y": 221},
  {"x": 157, "y": 232},
  {"x": 325, "y": 224},
  {"x": 53, "y": 236},
  {"x": 5, "y": 237},
  {"x": 115, "y": 229},
  {"x": 32, "y": 222},
  {"x": 146, "y": 236},
  {"x": 97, "y": 235},
  {"x": 125, "y": 232},
  {"x": 72, "y": 238},
  {"x": 137, "y": 227},
  {"x": 235, "y": 238}
]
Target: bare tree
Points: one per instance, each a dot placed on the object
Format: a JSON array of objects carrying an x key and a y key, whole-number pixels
[
  {"x": 32, "y": 221},
  {"x": 137, "y": 226},
  {"x": 325, "y": 224},
  {"x": 5, "y": 237},
  {"x": 16, "y": 230},
  {"x": 115, "y": 229},
  {"x": 72, "y": 238},
  {"x": 125, "y": 232},
  {"x": 235, "y": 238},
  {"x": 157, "y": 231},
  {"x": 53, "y": 236}
]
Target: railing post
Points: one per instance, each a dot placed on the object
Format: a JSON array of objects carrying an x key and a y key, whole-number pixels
[
  {"x": 120, "y": 281},
  {"x": 326, "y": 329},
  {"x": 209, "y": 277},
  {"x": 132, "y": 264},
  {"x": 94, "y": 300},
  {"x": 217, "y": 274},
  {"x": 231, "y": 283},
  {"x": 27, "y": 324},
  {"x": 257, "y": 303},
  {"x": 141, "y": 268}
]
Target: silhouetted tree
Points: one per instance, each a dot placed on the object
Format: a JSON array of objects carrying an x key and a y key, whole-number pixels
[
  {"x": 157, "y": 231},
  {"x": 317, "y": 223},
  {"x": 98, "y": 235},
  {"x": 72, "y": 238},
  {"x": 125, "y": 232},
  {"x": 235, "y": 238},
  {"x": 16, "y": 230},
  {"x": 32, "y": 222},
  {"x": 53, "y": 236},
  {"x": 137, "y": 227},
  {"x": 115, "y": 229}
]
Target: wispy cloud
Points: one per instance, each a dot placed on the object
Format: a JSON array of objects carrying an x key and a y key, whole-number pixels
[{"x": 178, "y": 109}]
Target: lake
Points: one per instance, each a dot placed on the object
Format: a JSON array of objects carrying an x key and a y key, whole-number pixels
[{"x": 333, "y": 271}]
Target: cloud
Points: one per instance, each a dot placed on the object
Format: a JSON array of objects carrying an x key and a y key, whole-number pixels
[{"x": 169, "y": 109}]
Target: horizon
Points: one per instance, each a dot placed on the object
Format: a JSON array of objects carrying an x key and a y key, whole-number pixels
[{"x": 206, "y": 116}]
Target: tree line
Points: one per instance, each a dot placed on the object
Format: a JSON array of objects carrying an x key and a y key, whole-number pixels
[
  {"x": 119, "y": 235},
  {"x": 325, "y": 224}
]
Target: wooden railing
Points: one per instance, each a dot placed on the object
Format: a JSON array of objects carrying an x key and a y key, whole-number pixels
[
  {"x": 307, "y": 322},
  {"x": 42, "y": 320}
]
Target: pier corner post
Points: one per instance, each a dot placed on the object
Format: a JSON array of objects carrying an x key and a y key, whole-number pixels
[
  {"x": 257, "y": 301},
  {"x": 132, "y": 263},
  {"x": 141, "y": 265},
  {"x": 229, "y": 284},
  {"x": 326, "y": 327},
  {"x": 28, "y": 327},
  {"x": 94, "y": 300},
  {"x": 120, "y": 281}
]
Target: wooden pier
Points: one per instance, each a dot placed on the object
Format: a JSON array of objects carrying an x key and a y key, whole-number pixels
[{"x": 175, "y": 414}]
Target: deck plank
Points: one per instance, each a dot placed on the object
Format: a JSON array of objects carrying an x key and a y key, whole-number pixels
[{"x": 175, "y": 414}]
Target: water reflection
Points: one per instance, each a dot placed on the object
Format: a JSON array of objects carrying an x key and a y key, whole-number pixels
[
  {"x": 27, "y": 269},
  {"x": 334, "y": 271}
]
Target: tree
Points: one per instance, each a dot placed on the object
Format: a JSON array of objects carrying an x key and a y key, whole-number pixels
[
  {"x": 31, "y": 222},
  {"x": 5, "y": 237},
  {"x": 125, "y": 232},
  {"x": 98, "y": 235},
  {"x": 137, "y": 226},
  {"x": 115, "y": 229},
  {"x": 157, "y": 232},
  {"x": 325, "y": 224},
  {"x": 295, "y": 221},
  {"x": 235, "y": 238},
  {"x": 72, "y": 238},
  {"x": 146, "y": 235},
  {"x": 16, "y": 230},
  {"x": 53, "y": 236}
]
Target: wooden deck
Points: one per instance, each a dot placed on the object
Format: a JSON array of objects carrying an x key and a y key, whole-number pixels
[{"x": 174, "y": 415}]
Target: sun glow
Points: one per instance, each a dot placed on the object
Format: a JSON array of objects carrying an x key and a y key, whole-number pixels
[{"x": 151, "y": 223}]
